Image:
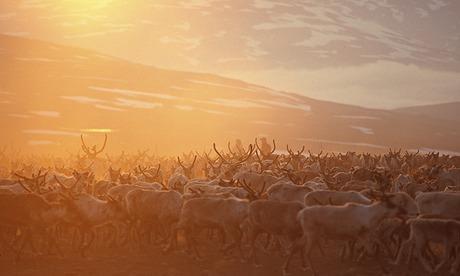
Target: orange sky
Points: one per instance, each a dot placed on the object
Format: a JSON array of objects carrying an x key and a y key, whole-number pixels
[{"x": 368, "y": 53}]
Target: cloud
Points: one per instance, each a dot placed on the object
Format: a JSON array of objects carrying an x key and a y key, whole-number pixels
[
  {"x": 137, "y": 104},
  {"x": 323, "y": 38},
  {"x": 133, "y": 93},
  {"x": 46, "y": 113},
  {"x": 184, "y": 107},
  {"x": 83, "y": 99},
  {"x": 20, "y": 34},
  {"x": 189, "y": 43},
  {"x": 7, "y": 16},
  {"x": 50, "y": 132},
  {"x": 92, "y": 34},
  {"x": 40, "y": 142}
]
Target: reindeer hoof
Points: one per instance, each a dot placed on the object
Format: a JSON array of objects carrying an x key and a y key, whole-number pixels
[{"x": 286, "y": 273}]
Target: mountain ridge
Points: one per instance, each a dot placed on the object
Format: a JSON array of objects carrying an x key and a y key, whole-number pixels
[
  {"x": 51, "y": 93},
  {"x": 445, "y": 111}
]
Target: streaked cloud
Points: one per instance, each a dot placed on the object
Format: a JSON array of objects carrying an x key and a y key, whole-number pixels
[
  {"x": 51, "y": 132},
  {"x": 137, "y": 104},
  {"x": 40, "y": 142},
  {"x": 46, "y": 113}
]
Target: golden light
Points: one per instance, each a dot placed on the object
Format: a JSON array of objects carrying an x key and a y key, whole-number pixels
[
  {"x": 97, "y": 130},
  {"x": 85, "y": 4}
]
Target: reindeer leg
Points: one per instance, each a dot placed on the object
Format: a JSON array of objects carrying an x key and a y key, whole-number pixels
[
  {"x": 230, "y": 232},
  {"x": 431, "y": 254},
  {"x": 53, "y": 243},
  {"x": 25, "y": 240},
  {"x": 402, "y": 248},
  {"x": 172, "y": 239},
  {"x": 195, "y": 247},
  {"x": 223, "y": 234},
  {"x": 410, "y": 258},
  {"x": 351, "y": 247},
  {"x": 239, "y": 238},
  {"x": 76, "y": 232},
  {"x": 320, "y": 248},
  {"x": 302, "y": 257},
  {"x": 445, "y": 258},
  {"x": 51, "y": 237},
  {"x": 254, "y": 233},
  {"x": 269, "y": 241},
  {"x": 17, "y": 236},
  {"x": 288, "y": 259},
  {"x": 6, "y": 244},
  {"x": 381, "y": 262},
  {"x": 309, "y": 241},
  {"x": 87, "y": 244},
  {"x": 418, "y": 252},
  {"x": 454, "y": 268},
  {"x": 294, "y": 247}
]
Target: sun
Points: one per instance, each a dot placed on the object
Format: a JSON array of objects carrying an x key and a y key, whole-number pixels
[{"x": 96, "y": 130}]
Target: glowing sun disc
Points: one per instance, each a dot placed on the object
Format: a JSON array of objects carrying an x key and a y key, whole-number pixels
[{"x": 97, "y": 130}]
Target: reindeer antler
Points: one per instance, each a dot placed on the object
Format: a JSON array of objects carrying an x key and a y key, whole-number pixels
[
  {"x": 219, "y": 154},
  {"x": 299, "y": 152},
  {"x": 92, "y": 152},
  {"x": 185, "y": 168},
  {"x": 24, "y": 186},
  {"x": 271, "y": 152}
]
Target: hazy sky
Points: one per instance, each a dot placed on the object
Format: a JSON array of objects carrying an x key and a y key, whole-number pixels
[{"x": 372, "y": 53}]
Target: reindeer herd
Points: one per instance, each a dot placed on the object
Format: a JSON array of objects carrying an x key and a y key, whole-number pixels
[{"x": 394, "y": 208}]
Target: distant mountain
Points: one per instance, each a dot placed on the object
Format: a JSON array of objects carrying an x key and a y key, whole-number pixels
[
  {"x": 49, "y": 94},
  {"x": 446, "y": 111}
]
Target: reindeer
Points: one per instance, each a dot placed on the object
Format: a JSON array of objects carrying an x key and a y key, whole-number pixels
[
  {"x": 287, "y": 192},
  {"x": 92, "y": 152},
  {"x": 260, "y": 220},
  {"x": 147, "y": 174},
  {"x": 424, "y": 231},
  {"x": 296, "y": 159},
  {"x": 334, "y": 198},
  {"x": 439, "y": 204},
  {"x": 159, "y": 209},
  {"x": 114, "y": 175},
  {"x": 226, "y": 214},
  {"x": 180, "y": 176},
  {"x": 33, "y": 215},
  {"x": 350, "y": 221},
  {"x": 36, "y": 182},
  {"x": 94, "y": 213}
]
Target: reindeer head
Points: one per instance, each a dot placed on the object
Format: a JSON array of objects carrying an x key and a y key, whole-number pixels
[
  {"x": 114, "y": 174},
  {"x": 296, "y": 157},
  {"x": 33, "y": 183},
  {"x": 92, "y": 152},
  {"x": 233, "y": 165},
  {"x": 187, "y": 169},
  {"x": 116, "y": 207},
  {"x": 125, "y": 178},
  {"x": 403, "y": 204},
  {"x": 252, "y": 195},
  {"x": 148, "y": 173},
  {"x": 266, "y": 151},
  {"x": 214, "y": 169}
]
